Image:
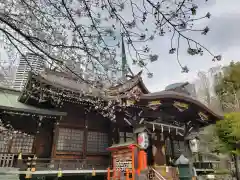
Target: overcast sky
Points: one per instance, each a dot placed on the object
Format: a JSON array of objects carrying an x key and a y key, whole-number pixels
[{"x": 223, "y": 38}]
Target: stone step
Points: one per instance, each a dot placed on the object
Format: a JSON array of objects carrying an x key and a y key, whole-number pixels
[
  {"x": 5, "y": 176},
  {"x": 9, "y": 177}
]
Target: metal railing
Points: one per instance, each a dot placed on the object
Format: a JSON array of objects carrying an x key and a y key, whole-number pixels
[
  {"x": 64, "y": 164},
  {"x": 213, "y": 165},
  {"x": 12, "y": 161},
  {"x": 6, "y": 160},
  {"x": 158, "y": 175}
]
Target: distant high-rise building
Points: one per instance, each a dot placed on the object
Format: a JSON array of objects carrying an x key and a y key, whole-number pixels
[
  {"x": 73, "y": 67},
  {"x": 7, "y": 76},
  {"x": 30, "y": 62},
  {"x": 191, "y": 89}
]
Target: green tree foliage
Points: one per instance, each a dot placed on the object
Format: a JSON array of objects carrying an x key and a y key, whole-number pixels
[
  {"x": 224, "y": 137},
  {"x": 229, "y": 136},
  {"x": 227, "y": 89},
  {"x": 208, "y": 138},
  {"x": 228, "y": 133}
]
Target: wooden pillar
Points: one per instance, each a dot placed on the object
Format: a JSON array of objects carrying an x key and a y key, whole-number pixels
[
  {"x": 115, "y": 129},
  {"x": 55, "y": 137},
  {"x": 164, "y": 144},
  {"x": 172, "y": 147},
  {"x": 160, "y": 158},
  {"x": 86, "y": 117},
  {"x": 44, "y": 139},
  {"x": 110, "y": 134},
  {"x": 108, "y": 174},
  {"x": 133, "y": 163},
  {"x": 37, "y": 137},
  {"x": 125, "y": 136}
]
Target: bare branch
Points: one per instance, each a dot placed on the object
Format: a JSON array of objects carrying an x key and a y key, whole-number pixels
[{"x": 89, "y": 31}]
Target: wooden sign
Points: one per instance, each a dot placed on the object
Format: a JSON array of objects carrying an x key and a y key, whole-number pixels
[
  {"x": 122, "y": 159},
  {"x": 122, "y": 164}
]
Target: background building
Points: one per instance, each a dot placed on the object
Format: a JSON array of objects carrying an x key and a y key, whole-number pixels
[
  {"x": 186, "y": 87},
  {"x": 30, "y": 62},
  {"x": 7, "y": 75},
  {"x": 191, "y": 89}
]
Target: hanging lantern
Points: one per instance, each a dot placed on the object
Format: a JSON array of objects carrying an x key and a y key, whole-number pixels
[
  {"x": 194, "y": 145},
  {"x": 143, "y": 140},
  {"x": 93, "y": 172},
  {"x": 59, "y": 174}
]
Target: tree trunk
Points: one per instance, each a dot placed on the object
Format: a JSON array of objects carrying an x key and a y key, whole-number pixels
[{"x": 235, "y": 157}]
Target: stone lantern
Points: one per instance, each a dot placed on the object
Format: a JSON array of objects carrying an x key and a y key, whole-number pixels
[{"x": 194, "y": 145}]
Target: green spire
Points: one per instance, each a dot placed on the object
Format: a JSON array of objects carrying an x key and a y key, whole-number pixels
[{"x": 124, "y": 60}]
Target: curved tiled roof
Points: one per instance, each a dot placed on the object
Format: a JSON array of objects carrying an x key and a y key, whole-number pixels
[
  {"x": 61, "y": 80},
  {"x": 129, "y": 84},
  {"x": 9, "y": 101},
  {"x": 67, "y": 82},
  {"x": 179, "y": 96}
]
